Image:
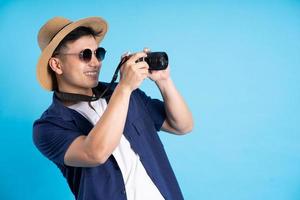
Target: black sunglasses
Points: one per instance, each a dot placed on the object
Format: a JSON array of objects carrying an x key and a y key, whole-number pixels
[{"x": 86, "y": 54}]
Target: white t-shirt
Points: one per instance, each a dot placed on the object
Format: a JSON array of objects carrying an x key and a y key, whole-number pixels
[{"x": 137, "y": 182}]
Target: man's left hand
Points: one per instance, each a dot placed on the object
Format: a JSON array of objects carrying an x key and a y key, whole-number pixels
[{"x": 158, "y": 75}]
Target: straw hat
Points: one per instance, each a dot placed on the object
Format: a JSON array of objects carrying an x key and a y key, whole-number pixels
[{"x": 52, "y": 33}]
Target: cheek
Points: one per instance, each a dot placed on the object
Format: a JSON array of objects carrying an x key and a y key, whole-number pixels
[{"x": 73, "y": 71}]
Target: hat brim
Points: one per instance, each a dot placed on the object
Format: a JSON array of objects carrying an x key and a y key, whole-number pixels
[{"x": 96, "y": 23}]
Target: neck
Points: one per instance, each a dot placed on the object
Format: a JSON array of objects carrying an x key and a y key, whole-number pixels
[
  {"x": 87, "y": 92},
  {"x": 83, "y": 91}
]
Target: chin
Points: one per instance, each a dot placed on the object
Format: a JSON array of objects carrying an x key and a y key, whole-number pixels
[
  {"x": 95, "y": 84},
  {"x": 90, "y": 83}
]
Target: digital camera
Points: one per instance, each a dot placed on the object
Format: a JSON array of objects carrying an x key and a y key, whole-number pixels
[{"x": 156, "y": 60}]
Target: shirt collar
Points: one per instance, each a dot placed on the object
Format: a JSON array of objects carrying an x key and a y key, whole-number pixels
[{"x": 67, "y": 113}]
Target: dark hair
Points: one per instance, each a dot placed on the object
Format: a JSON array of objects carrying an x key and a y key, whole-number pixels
[
  {"x": 75, "y": 35},
  {"x": 72, "y": 36}
]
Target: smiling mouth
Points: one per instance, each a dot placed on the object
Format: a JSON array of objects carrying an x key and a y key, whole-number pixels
[{"x": 91, "y": 73}]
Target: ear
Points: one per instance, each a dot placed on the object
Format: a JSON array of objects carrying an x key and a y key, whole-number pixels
[{"x": 55, "y": 65}]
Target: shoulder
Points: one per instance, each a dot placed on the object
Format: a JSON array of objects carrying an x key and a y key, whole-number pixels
[
  {"x": 141, "y": 97},
  {"x": 55, "y": 117}
]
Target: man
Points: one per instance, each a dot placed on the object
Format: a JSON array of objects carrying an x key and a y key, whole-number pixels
[{"x": 106, "y": 148}]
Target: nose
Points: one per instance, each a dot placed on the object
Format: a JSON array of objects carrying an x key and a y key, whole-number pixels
[{"x": 94, "y": 61}]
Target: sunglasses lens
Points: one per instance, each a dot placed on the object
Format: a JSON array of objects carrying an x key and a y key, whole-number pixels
[
  {"x": 87, "y": 55},
  {"x": 100, "y": 53}
]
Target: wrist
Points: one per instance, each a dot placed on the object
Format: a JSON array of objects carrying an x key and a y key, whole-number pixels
[
  {"x": 163, "y": 82},
  {"x": 124, "y": 88}
]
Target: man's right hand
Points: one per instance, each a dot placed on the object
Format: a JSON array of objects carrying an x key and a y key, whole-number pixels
[{"x": 132, "y": 73}]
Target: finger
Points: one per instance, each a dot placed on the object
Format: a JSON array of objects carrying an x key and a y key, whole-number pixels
[
  {"x": 141, "y": 65},
  {"x": 146, "y": 50},
  {"x": 137, "y": 56},
  {"x": 144, "y": 71}
]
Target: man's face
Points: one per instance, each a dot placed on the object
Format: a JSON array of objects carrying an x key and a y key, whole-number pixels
[{"x": 77, "y": 75}]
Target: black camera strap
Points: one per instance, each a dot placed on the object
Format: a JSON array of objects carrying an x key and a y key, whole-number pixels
[{"x": 97, "y": 93}]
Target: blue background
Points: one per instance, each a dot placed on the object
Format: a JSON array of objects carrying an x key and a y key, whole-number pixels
[{"x": 235, "y": 62}]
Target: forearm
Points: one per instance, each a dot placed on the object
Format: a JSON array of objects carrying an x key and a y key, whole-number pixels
[
  {"x": 106, "y": 134},
  {"x": 178, "y": 114}
]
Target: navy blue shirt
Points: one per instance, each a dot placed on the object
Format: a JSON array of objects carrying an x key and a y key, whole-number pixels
[{"x": 59, "y": 126}]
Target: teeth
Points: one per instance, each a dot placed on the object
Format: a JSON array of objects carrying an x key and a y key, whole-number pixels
[{"x": 91, "y": 73}]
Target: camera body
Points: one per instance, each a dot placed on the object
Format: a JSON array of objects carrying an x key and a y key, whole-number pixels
[{"x": 155, "y": 60}]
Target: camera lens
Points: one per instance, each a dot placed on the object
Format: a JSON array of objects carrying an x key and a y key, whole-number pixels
[{"x": 157, "y": 60}]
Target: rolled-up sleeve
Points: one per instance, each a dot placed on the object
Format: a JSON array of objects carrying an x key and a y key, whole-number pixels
[{"x": 53, "y": 141}]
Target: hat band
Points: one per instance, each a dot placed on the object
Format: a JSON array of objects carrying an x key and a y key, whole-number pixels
[{"x": 59, "y": 31}]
